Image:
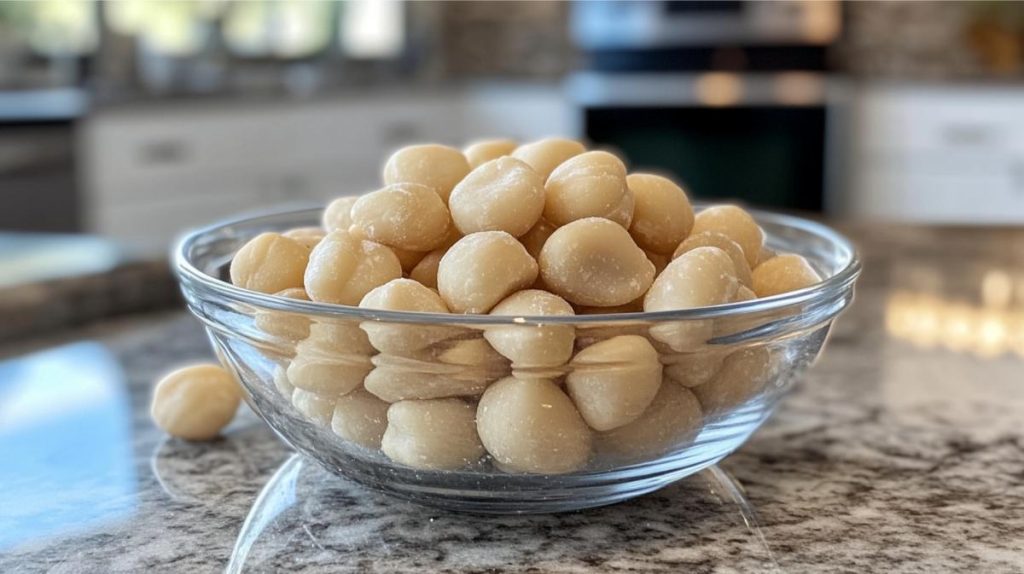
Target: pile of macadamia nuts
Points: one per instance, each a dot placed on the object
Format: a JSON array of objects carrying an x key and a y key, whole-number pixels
[{"x": 539, "y": 229}]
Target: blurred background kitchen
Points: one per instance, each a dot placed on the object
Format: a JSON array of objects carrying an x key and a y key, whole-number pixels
[{"x": 123, "y": 123}]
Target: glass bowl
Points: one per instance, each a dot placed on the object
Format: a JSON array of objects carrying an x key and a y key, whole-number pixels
[{"x": 724, "y": 369}]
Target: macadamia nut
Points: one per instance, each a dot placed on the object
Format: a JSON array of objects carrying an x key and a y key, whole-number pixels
[
  {"x": 481, "y": 152},
  {"x": 547, "y": 154},
  {"x": 332, "y": 361},
  {"x": 592, "y": 184},
  {"x": 435, "y": 166},
  {"x": 360, "y": 417},
  {"x": 693, "y": 369},
  {"x": 530, "y": 425},
  {"x": 397, "y": 378},
  {"x": 662, "y": 215},
  {"x": 343, "y": 269},
  {"x": 734, "y": 223},
  {"x": 317, "y": 408},
  {"x": 744, "y": 373},
  {"x": 536, "y": 237},
  {"x": 438, "y": 434},
  {"x": 308, "y": 236},
  {"x": 594, "y": 262},
  {"x": 425, "y": 272},
  {"x": 504, "y": 194},
  {"x": 338, "y": 214},
  {"x": 196, "y": 402},
  {"x": 269, "y": 263},
  {"x": 721, "y": 241},
  {"x": 673, "y": 418},
  {"x": 404, "y": 215},
  {"x": 529, "y": 346},
  {"x": 289, "y": 327},
  {"x": 404, "y": 338},
  {"x": 483, "y": 268},
  {"x": 783, "y": 273},
  {"x": 614, "y": 381}
]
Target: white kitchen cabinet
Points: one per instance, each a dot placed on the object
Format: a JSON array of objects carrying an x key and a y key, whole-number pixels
[
  {"x": 936, "y": 154},
  {"x": 153, "y": 170}
]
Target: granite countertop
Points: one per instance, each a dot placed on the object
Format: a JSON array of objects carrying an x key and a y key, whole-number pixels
[{"x": 901, "y": 451}]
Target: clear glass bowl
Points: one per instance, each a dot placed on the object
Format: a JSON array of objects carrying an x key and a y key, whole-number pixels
[{"x": 737, "y": 360}]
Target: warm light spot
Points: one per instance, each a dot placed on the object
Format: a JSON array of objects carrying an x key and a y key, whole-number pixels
[
  {"x": 996, "y": 289},
  {"x": 798, "y": 88},
  {"x": 719, "y": 89}
]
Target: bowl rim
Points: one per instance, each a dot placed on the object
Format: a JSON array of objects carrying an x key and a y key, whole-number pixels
[{"x": 833, "y": 285}]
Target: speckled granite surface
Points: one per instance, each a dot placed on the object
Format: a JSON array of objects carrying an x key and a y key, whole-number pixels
[{"x": 893, "y": 456}]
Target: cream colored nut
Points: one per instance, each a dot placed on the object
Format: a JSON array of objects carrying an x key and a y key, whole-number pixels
[
  {"x": 503, "y": 194},
  {"x": 332, "y": 361},
  {"x": 673, "y": 419},
  {"x": 481, "y": 152},
  {"x": 693, "y": 369},
  {"x": 317, "y": 408},
  {"x": 536, "y": 237},
  {"x": 361, "y": 418},
  {"x": 425, "y": 272},
  {"x": 547, "y": 154},
  {"x": 281, "y": 382},
  {"x": 397, "y": 378},
  {"x": 698, "y": 278},
  {"x": 530, "y": 425},
  {"x": 195, "y": 402},
  {"x": 766, "y": 254},
  {"x": 721, "y": 241},
  {"x": 475, "y": 353},
  {"x": 338, "y": 214},
  {"x": 435, "y": 166},
  {"x": 662, "y": 215},
  {"x": 784, "y": 273},
  {"x": 404, "y": 215},
  {"x": 659, "y": 261},
  {"x": 408, "y": 259},
  {"x": 439, "y": 434},
  {"x": 343, "y": 338},
  {"x": 343, "y": 269},
  {"x": 736, "y": 224},
  {"x": 404, "y": 338},
  {"x": 308, "y": 236},
  {"x": 284, "y": 325},
  {"x": 592, "y": 184},
  {"x": 529, "y": 346},
  {"x": 269, "y": 263},
  {"x": 483, "y": 268},
  {"x": 744, "y": 373},
  {"x": 594, "y": 262},
  {"x": 744, "y": 293},
  {"x": 614, "y": 381}
]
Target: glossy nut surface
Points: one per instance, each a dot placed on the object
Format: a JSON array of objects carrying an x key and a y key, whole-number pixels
[
  {"x": 438, "y": 434},
  {"x": 483, "y": 268},
  {"x": 662, "y": 215},
  {"x": 612, "y": 382},
  {"x": 531, "y": 426},
  {"x": 723, "y": 242},
  {"x": 425, "y": 271},
  {"x": 195, "y": 402},
  {"x": 534, "y": 239},
  {"x": 592, "y": 184},
  {"x": 307, "y": 236},
  {"x": 281, "y": 324},
  {"x": 269, "y": 263},
  {"x": 783, "y": 273},
  {"x": 547, "y": 154},
  {"x": 483, "y": 151},
  {"x": 403, "y": 215},
  {"x": 338, "y": 213},
  {"x": 343, "y": 269},
  {"x": 403, "y": 338},
  {"x": 360, "y": 417},
  {"x": 529, "y": 346},
  {"x": 504, "y": 194},
  {"x": 736, "y": 224},
  {"x": 594, "y": 262},
  {"x": 436, "y": 166}
]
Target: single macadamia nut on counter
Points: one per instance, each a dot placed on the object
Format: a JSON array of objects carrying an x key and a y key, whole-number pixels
[
  {"x": 338, "y": 214},
  {"x": 784, "y": 273},
  {"x": 435, "y": 166},
  {"x": 404, "y": 338},
  {"x": 693, "y": 369},
  {"x": 721, "y": 241},
  {"x": 547, "y": 154},
  {"x": 662, "y": 215},
  {"x": 289, "y": 327},
  {"x": 530, "y": 425},
  {"x": 403, "y": 215},
  {"x": 734, "y": 223},
  {"x": 672, "y": 419},
  {"x": 483, "y": 268},
  {"x": 530, "y": 346},
  {"x": 308, "y": 236},
  {"x": 397, "y": 378},
  {"x": 269, "y": 263},
  {"x": 592, "y": 184},
  {"x": 483, "y": 151},
  {"x": 614, "y": 381},
  {"x": 195, "y": 402},
  {"x": 425, "y": 272},
  {"x": 536, "y": 237},
  {"x": 743, "y": 374},
  {"x": 594, "y": 262},
  {"x": 504, "y": 194},
  {"x": 343, "y": 269},
  {"x": 438, "y": 434},
  {"x": 360, "y": 417},
  {"x": 332, "y": 361},
  {"x": 317, "y": 408}
]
